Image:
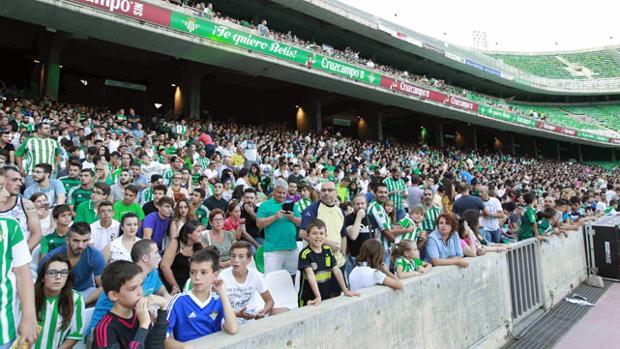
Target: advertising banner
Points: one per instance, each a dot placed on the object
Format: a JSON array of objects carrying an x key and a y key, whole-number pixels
[{"x": 132, "y": 8}]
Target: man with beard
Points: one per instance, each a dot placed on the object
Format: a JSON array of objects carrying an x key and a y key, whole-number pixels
[
  {"x": 117, "y": 190},
  {"x": 87, "y": 262},
  {"x": 52, "y": 188},
  {"x": 380, "y": 221},
  {"x": 81, "y": 194},
  {"x": 13, "y": 205},
  {"x": 431, "y": 212},
  {"x": 72, "y": 180}
]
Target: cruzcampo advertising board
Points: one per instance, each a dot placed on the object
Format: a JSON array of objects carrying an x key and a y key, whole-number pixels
[{"x": 230, "y": 36}]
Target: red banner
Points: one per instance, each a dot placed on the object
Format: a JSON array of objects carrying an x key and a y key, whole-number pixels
[
  {"x": 548, "y": 127},
  {"x": 413, "y": 90},
  {"x": 569, "y": 131},
  {"x": 132, "y": 8}
]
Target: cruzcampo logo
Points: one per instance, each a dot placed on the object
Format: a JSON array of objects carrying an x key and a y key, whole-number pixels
[{"x": 191, "y": 24}]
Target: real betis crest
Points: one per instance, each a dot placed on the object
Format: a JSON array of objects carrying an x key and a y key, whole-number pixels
[{"x": 191, "y": 24}]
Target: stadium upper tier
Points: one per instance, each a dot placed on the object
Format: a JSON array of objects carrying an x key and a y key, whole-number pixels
[
  {"x": 233, "y": 35},
  {"x": 580, "y": 65}
]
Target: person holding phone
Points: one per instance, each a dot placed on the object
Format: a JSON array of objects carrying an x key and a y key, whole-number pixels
[{"x": 280, "y": 225}]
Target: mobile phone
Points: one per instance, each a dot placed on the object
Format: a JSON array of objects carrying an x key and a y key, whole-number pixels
[{"x": 287, "y": 206}]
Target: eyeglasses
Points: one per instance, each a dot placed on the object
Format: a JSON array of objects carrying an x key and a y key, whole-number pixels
[
  {"x": 217, "y": 220},
  {"x": 54, "y": 273}
]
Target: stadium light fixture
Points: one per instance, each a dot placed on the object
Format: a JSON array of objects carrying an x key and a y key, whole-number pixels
[
  {"x": 296, "y": 106},
  {"x": 157, "y": 105},
  {"x": 60, "y": 66},
  {"x": 37, "y": 61},
  {"x": 84, "y": 82},
  {"x": 173, "y": 85}
]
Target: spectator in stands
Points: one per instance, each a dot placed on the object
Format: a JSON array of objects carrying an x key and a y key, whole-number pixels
[
  {"x": 128, "y": 204},
  {"x": 431, "y": 212},
  {"x": 59, "y": 309},
  {"x": 156, "y": 224},
  {"x": 380, "y": 220},
  {"x": 414, "y": 192},
  {"x": 40, "y": 148},
  {"x": 233, "y": 221},
  {"x": 204, "y": 267},
  {"x": 280, "y": 231},
  {"x": 407, "y": 262},
  {"x": 217, "y": 201},
  {"x": 52, "y": 188},
  {"x": 87, "y": 263},
  {"x": 17, "y": 263},
  {"x": 120, "y": 247},
  {"x": 469, "y": 202},
  {"x": 159, "y": 191},
  {"x": 129, "y": 321},
  {"x": 263, "y": 30},
  {"x": 443, "y": 246},
  {"x": 529, "y": 228},
  {"x": 14, "y": 206},
  {"x": 73, "y": 178},
  {"x": 491, "y": 223},
  {"x": 81, "y": 194},
  {"x": 371, "y": 269},
  {"x": 118, "y": 189},
  {"x": 146, "y": 255},
  {"x": 319, "y": 272},
  {"x": 243, "y": 283},
  {"x": 182, "y": 213},
  {"x": 43, "y": 212},
  {"x": 397, "y": 190},
  {"x": 87, "y": 211},
  {"x": 105, "y": 229},
  {"x": 62, "y": 221},
  {"x": 175, "y": 262},
  {"x": 218, "y": 237}
]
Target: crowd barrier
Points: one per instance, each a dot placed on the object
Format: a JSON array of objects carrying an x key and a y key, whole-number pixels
[{"x": 447, "y": 308}]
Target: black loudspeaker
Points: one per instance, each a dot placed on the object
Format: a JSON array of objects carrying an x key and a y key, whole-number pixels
[{"x": 606, "y": 241}]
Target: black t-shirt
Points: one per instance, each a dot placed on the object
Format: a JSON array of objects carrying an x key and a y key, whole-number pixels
[
  {"x": 353, "y": 246},
  {"x": 467, "y": 202},
  {"x": 296, "y": 179},
  {"x": 149, "y": 207},
  {"x": 321, "y": 264},
  {"x": 250, "y": 223},
  {"x": 212, "y": 203}
]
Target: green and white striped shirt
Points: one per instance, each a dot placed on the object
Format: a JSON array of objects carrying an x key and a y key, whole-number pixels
[
  {"x": 413, "y": 236},
  {"x": 204, "y": 163},
  {"x": 38, "y": 151},
  {"x": 381, "y": 221},
  {"x": 14, "y": 253},
  {"x": 429, "y": 223},
  {"x": 397, "y": 185},
  {"x": 302, "y": 204},
  {"x": 168, "y": 174},
  {"x": 147, "y": 195},
  {"x": 52, "y": 335}
]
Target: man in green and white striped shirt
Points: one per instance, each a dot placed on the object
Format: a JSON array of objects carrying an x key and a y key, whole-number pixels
[
  {"x": 431, "y": 212},
  {"x": 36, "y": 150},
  {"x": 16, "y": 258},
  {"x": 397, "y": 191},
  {"x": 380, "y": 221}
]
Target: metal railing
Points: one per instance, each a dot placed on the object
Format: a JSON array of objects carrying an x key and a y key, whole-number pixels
[{"x": 525, "y": 281}]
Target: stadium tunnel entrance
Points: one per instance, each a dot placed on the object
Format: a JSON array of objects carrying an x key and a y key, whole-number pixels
[{"x": 73, "y": 69}]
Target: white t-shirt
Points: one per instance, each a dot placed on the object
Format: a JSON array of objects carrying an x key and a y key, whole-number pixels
[
  {"x": 118, "y": 252},
  {"x": 249, "y": 150},
  {"x": 244, "y": 295},
  {"x": 494, "y": 206},
  {"x": 154, "y": 167},
  {"x": 101, "y": 237},
  {"x": 364, "y": 276}
]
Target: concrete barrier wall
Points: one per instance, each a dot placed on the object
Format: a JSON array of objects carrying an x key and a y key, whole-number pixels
[
  {"x": 563, "y": 266},
  {"x": 447, "y": 308}
]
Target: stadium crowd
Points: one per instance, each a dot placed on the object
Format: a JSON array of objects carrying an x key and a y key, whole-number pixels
[{"x": 167, "y": 230}]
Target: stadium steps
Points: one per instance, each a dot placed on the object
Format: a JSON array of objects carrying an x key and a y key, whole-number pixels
[{"x": 545, "y": 332}]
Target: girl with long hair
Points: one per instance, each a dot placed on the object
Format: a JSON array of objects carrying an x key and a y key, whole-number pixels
[
  {"x": 182, "y": 213},
  {"x": 371, "y": 269},
  {"x": 120, "y": 248},
  {"x": 59, "y": 309},
  {"x": 175, "y": 262}
]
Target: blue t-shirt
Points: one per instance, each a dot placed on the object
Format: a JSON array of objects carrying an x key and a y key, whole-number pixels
[
  {"x": 55, "y": 188},
  {"x": 91, "y": 265},
  {"x": 189, "y": 319},
  {"x": 466, "y": 176},
  {"x": 152, "y": 283},
  {"x": 158, "y": 225},
  {"x": 436, "y": 248}
]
